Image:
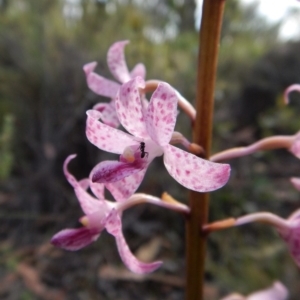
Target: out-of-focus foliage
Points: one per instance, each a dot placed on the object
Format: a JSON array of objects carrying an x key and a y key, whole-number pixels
[
  {"x": 43, "y": 46},
  {"x": 245, "y": 37},
  {"x": 6, "y": 138}
]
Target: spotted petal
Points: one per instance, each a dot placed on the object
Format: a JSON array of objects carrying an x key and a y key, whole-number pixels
[
  {"x": 108, "y": 113},
  {"x": 116, "y": 61},
  {"x": 123, "y": 189},
  {"x": 193, "y": 172},
  {"x": 75, "y": 239},
  {"x": 99, "y": 84},
  {"x": 129, "y": 107},
  {"x": 112, "y": 170},
  {"x": 105, "y": 137},
  {"x": 161, "y": 114},
  {"x": 114, "y": 227},
  {"x": 291, "y": 235}
]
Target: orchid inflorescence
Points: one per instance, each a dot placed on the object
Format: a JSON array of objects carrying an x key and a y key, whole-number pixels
[
  {"x": 149, "y": 126},
  {"x": 151, "y": 133}
]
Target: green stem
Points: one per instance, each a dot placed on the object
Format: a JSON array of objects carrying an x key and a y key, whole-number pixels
[{"x": 199, "y": 203}]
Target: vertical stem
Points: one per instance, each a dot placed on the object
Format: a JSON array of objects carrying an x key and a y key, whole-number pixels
[{"x": 199, "y": 203}]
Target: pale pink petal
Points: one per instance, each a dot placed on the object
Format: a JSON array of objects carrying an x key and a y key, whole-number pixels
[
  {"x": 112, "y": 170},
  {"x": 291, "y": 236},
  {"x": 71, "y": 179},
  {"x": 296, "y": 182},
  {"x": 84, "y": 183},
  {"x": 88, "y": 203},
  {"x": 99, "y": 84},
  {"x": 114, "y": 227},
  {"x": 138, "y": 70},
  {"x": 129, "y": 107},
  {"x": 161, "y": 114},
  {"x": 295, "y": 148},
  {"x": 276, "y": 292},
  {"x": 97, "y": 219},
  {"x": 234, "y": 296},
  {"x": 108, "y": 113},
  {"x": 75, "y": 239},
  {"x": 97, "y": 188},
  {"x": 291, "y": 88},
  {"x": 293, "y": 243},
  {"x": 116, "y": 61},
  {"x": 294, "y": 216},
  {"x": 145, "y": 103},
  {"x": 123, "y": 189},
  {"x": 193, "y": 172},
  {"x": 105, "y": 137}
]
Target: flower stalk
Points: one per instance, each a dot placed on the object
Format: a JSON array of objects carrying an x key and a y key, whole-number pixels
[
  {"x": 260, "y": 217},
  {"x": 141, "y": 198},
  {"x": 199, "y": 203},
  {"x": 269, "y": 143}
]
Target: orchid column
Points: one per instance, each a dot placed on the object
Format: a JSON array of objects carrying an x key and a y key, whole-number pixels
[{"x": 199, "y": 203}]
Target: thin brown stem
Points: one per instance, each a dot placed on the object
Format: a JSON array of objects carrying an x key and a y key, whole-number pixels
[{"x": 199, "y": 203}]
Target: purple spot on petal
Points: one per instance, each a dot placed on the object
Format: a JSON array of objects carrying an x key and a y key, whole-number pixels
[{"x": 170, "y": 106}]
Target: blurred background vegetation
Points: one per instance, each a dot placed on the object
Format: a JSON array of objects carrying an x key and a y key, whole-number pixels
[{"x": 43, "y": 99}]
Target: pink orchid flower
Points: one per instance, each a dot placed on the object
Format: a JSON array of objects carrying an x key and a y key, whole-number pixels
[
  {"x": 102, "y": 214},
  {"x": 276, "y": 292},
  {"x": 151, "y": 131},
  {"x": 288, "y": 229},
  {"x": 108, "y": 88}
]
